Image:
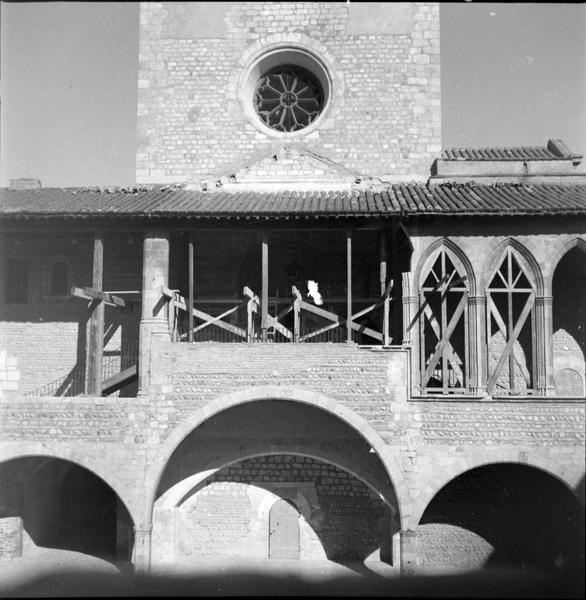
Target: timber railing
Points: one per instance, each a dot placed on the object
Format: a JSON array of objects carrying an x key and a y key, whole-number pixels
[{"x": 303, "y": 326}]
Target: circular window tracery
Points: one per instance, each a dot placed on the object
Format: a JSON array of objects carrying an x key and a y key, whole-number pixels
[
  {"x": 288, "y": 98},
  {"x": 286, "y": 91}
]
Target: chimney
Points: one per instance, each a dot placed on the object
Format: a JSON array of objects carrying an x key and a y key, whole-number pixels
[{"x": 25, "y": 183}]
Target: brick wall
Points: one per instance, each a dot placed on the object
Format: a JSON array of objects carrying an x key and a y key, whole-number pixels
[
  {"x": 384, "y": 117},
  {"x": 228, "y": 514},
  {"x": 367, "y": 382}
]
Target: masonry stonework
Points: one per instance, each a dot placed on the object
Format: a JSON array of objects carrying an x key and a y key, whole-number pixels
[{"x": 384, "y": 118}]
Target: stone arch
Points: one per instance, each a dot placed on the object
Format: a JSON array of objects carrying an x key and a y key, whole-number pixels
[
  {"x": 32, "y": 449},
  {"x": 559, "y": 255},
  {"x": 527, "y": 261},
  {"x": 176, "y": 493},
  {"x": 472, "y": 460},
  {"x": 64, "y": 503},
  {"x": 489, "y": 515},
  {"x": 314, "y": 399},
  {"x": 456, "y": 252}
]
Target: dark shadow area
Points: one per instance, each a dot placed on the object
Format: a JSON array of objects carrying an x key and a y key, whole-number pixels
[
  {"x": 569, "y": 296},
  {"x": 494, "y": 583},
  {"x": 65, "y": 506},
  {"x": 294, "y": 258},
  {"x": 529, "y": 518}
]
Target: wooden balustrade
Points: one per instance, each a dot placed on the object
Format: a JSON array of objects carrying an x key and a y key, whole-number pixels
[{"x": 262, "y": 326}]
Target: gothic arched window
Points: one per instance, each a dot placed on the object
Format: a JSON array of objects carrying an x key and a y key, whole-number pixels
[
  {"x": 443, "y": 309},
  {"x": 510, "y": 327}
]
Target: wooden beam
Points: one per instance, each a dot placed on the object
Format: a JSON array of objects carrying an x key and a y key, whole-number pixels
[
  {"x": 511, "y": 342},
  {"x": 96, "y": 324},
  {"x": 88, "y": 293},
  {"x": 119, "y": 380},
  {"x": 349, "y": 285},
  {"x": 191, "y": 284},
  {"x": 383, "y": 260},
  {"x": 265, "y": 286},
  {"x": 181, "y": 304},
  {"x": 450, "y": 352},
  {"x": 447, "y": 334},
  {"x": 493, "y": 311},
  {"x": 210, "y": 320}
]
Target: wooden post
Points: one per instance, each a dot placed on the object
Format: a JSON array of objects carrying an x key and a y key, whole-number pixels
[
  {"x": 383, "y": 284},
  {"x": 96, "y": 326},
  {"x": 349, "y": 285},
  {"x": 191, "y": 286},
  {"x": 265, "y": 286}
]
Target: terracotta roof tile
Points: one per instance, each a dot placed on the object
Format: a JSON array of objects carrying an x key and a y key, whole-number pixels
[
  {"x": 410, "y": 199},
  {"x": 513, "y": 153}
]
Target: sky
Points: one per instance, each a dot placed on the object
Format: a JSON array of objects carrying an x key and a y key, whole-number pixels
[{"x": 512, "y": 75}]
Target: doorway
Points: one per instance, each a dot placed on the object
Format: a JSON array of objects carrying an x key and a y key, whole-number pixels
[{"x": 284, "y": 530}]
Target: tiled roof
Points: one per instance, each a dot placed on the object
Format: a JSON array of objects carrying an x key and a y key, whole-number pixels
[
  {"x": 515, "y": 153},
  {"x": 400, "y": 199}
]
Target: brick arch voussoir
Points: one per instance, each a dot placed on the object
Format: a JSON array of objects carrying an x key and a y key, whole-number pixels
[
  {"x": 272, "y": 392},
  {"x": 457, "y": 466},
  {"x": 33, "y": 449}
]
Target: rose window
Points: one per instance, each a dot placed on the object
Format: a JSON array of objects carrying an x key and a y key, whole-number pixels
[{"x": 288, "y": 98}]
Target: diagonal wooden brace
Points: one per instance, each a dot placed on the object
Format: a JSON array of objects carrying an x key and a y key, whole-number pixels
[
  {"x": 511, "y": 341},
  {"x": 439, "y": 349}
]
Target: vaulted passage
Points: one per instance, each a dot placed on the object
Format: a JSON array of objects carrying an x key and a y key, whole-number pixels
[
  {"x": 52, "y": 503},
  {"x": 502, "y": 515},
  {"x": 274, "y": 479}
]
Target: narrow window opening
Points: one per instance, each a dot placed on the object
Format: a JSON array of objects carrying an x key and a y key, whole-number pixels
[{"x": 16, "y": 280}]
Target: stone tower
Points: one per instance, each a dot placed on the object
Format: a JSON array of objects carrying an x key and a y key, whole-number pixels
[{"x": 377, "y": 67}]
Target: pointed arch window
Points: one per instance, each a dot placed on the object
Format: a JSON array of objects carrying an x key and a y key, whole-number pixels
[
  {"x": 443, "y": 317},
  {"x": 511, "y": 327}
]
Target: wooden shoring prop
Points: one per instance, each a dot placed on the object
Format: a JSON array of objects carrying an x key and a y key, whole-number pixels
[
  {"x": 264, "y": 285},
  {"x": 443, "y": 280},
  {"x": 441, "y": 345},
  {"x": 349, "y": 285},
  {"x": 336, "y": 320},
  {"x": 450, "y": 353},
  {"x": 96, "y": 322},
  {"x": 493, "y": 311},
  {"x": 181, "y": 304},
  {"x": 511, "y": 341},
  {"x": 89, "y": 293},
  {"x": 191, "y": 266}
]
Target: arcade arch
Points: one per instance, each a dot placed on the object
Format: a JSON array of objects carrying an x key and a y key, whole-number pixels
[
  {"x": 243, "y": 430},
  {"x": 490, "y": 515},
  {"x": 57, "y": 503}
]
